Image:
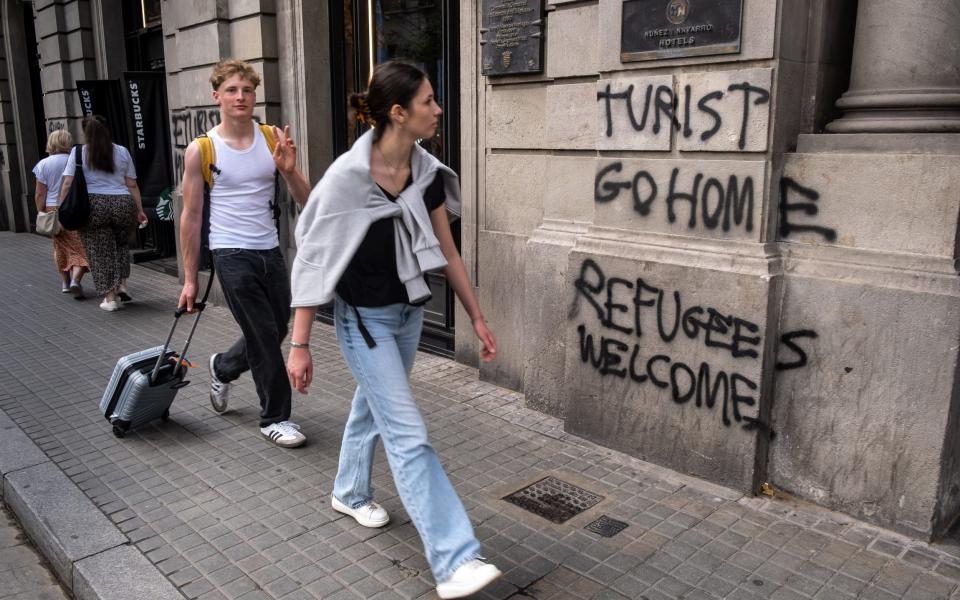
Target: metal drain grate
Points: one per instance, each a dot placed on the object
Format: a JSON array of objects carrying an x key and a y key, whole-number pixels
[
  {"x": 553, "y": 499},
  {"x": 606, "y": 526}
]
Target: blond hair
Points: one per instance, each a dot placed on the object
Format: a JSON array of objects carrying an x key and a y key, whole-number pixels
[
  {"x": 59, "y": 142},
  {"x": 230, "y": 67}
]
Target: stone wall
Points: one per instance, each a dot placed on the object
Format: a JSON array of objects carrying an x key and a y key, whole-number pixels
[
  {"x": 196, "y": 36},
  {"x": 66, "y": 46},
  {"x": 869, "y": 425},
  {"x": 665, "y": 270}
]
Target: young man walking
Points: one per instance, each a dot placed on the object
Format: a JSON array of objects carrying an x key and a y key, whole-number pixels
[{"x": 244, "y": 245}]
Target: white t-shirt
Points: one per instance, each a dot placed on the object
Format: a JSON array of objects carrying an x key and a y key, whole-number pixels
[
  {"x": 49, "y": 172},
  {"x": 101, "y": 182},
  {"x": 243, "y": 186}
]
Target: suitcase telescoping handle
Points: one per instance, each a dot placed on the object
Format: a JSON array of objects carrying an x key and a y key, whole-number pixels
[{"x": 198, "y": 306}]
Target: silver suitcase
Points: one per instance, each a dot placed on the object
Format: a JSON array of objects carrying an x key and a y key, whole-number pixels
[{"x": 144, "y": 384}]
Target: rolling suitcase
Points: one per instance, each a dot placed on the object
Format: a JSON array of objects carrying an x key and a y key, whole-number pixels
[{"x": 144, "y": 384}]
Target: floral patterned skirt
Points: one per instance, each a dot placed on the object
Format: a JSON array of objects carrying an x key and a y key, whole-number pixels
[{"x": 68, "y": 250}]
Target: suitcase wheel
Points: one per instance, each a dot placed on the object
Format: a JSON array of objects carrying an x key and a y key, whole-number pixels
[
  {"x": 165, "y": 415},
  {"x": 120, "y": 427}
]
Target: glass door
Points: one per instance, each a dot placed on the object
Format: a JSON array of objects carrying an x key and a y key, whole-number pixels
[{"x": 426, "y": 34}]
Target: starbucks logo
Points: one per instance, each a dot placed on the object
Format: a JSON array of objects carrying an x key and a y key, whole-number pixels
[
  {"x": 164, "y": 205},
  {"x": 678, "y": 11}
]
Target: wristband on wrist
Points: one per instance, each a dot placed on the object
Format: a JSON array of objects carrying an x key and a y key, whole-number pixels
[{"x": 294, "y": 344}]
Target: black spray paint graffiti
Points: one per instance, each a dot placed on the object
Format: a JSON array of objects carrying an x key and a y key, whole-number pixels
[
  {"x": 55, "y": 125},
  {"x": 662, "y": 101},
  {"x": 810, "y": 208},
  {"x": 706, "y": 386},
  {"x": 611, "y": 356},
  {"x": 787, "y": 340},
  {"x": 188, "y": 124},
  {"x": 721, "y": 206}
]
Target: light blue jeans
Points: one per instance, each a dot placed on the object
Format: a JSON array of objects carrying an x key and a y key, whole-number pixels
[{"x": 383, "y": 407}]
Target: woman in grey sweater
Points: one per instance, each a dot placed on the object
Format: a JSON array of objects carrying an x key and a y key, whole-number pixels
[{"x": 372, "y": 227}]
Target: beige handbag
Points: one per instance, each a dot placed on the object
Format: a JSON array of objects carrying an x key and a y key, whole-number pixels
[{"x": 47, "y": 223}]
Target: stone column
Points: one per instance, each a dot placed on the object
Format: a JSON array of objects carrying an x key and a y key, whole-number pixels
[{"x": 905, "y": 75}]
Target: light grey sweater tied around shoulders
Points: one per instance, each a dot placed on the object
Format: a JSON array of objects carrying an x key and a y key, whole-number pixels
[{"x": 344, "y": 204}]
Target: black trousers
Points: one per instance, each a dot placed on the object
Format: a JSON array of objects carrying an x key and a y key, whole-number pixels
[{"x": 257, "y": 289}]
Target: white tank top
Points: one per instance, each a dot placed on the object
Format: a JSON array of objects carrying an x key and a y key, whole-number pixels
[{"x": 240, "y": 213}]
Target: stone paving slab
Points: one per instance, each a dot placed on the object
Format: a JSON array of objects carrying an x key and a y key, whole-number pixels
[
  {"x": 23, "y": 572},
  {"x": 221, "y": 513},
  {"x": 120, "y": 573}
]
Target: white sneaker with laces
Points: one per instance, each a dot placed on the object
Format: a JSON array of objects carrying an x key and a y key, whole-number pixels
[
  {"x": 369, "y": 515},
  {"x": 469, "y": 579},
  {"x": 283, "y": 434},
  {"x": 219, "y": 391}
]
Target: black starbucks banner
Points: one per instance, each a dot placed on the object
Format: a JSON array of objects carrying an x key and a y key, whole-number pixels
[
  {"x": 104, "y": 97},
  {"x": 145, "y": 97}
]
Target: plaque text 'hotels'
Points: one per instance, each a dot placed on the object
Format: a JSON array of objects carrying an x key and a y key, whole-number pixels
[{"x": 658, "y": 29}]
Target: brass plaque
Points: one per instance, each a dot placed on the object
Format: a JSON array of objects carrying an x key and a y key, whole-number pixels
[
  {"x": 659, "y": 29},
  {"x": 511, "y": 37}
]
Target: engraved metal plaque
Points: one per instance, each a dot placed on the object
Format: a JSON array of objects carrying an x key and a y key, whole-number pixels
[
  {"x": 657, "y": 29},
  {"x": 511, "y": 37}
]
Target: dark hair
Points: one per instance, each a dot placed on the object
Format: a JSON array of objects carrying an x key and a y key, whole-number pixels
[
  {"x": 99, "y": 143},
  {"x": 393, "y": 82}
]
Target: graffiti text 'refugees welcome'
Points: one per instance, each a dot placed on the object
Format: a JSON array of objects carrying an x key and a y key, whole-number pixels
[{"x": 614, "y": 357}]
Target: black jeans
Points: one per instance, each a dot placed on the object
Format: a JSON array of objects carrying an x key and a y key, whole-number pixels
[{"x": 257, "y": 289}]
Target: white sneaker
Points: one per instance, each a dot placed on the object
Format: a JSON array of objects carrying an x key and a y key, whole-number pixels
[
  {"x": 110, "y": 306},
  {"x": 64, "y": 288},
  {"x": 283, "y": 434},
  {"x": 368, "y": 515},
  {"x": 219, "y": 391},
  {"x": 469, "y": 579}
]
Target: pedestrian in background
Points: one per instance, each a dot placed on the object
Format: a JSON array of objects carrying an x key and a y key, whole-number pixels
[
  {"x": 68, "y": 253},
  {"x": 375, "y": 223},
  {"x": 115, "y": 209}
]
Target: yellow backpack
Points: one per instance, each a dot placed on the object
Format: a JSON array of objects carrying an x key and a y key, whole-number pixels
[{"x": 208, "y": 156}]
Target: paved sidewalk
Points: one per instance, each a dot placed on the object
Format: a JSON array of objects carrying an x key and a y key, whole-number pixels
[{"x": 224, "y": 514}]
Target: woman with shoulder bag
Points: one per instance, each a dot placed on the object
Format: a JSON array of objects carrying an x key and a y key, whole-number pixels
[
  {"x": 68, "y": 253},
  {"x": 115, "y": 209},
  {"x": 374, "y": 225}
]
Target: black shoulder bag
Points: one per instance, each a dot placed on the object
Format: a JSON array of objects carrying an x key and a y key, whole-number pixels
[{"x": 74, "y": 212}]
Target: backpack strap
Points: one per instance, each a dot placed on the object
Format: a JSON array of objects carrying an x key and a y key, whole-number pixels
[
  {"x": 208, "y": 158},
  {"x": 267, "y": 131}
]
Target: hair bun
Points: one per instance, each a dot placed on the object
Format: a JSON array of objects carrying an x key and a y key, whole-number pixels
[{"x": 361, "y": 108}]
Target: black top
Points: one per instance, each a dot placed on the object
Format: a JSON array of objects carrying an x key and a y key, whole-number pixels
[{"x": 371, "y": 277}]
